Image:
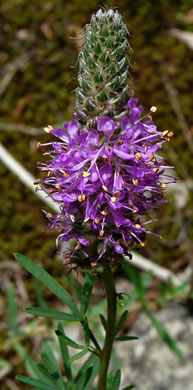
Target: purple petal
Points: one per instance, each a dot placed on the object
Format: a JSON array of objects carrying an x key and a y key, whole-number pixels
[
  {"x": 93, "y": 138},
  {"x": 60, "y": 133},
  {"x": 73, "y": 128},
  {"x": 107, "y": 125}
]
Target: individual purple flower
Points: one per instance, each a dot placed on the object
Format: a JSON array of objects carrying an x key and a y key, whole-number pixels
[{"x": 105, "y": 180}]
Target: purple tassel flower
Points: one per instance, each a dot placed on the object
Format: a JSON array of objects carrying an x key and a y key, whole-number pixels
[{"x": 105, "y": 180}]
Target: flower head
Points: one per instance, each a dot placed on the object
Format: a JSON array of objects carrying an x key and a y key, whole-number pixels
[{"x": 105, "y": 179}]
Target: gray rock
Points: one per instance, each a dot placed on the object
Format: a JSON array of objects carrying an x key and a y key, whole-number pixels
[{"x": 149, "y": 363}]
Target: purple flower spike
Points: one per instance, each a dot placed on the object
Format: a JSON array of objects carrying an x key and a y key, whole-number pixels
[{"x": 105, "y": 185}]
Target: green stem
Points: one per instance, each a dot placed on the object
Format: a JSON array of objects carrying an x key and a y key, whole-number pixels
[{"x": 105, "y": 354}]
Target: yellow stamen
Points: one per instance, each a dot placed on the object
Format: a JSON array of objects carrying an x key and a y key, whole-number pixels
[
  {"x": 38, "y": 145},
  {"x": 44, "y": 169},
  {"x": 138, "y": 226},
  {"x": 142, "y": 244},
  {"x": 101, "y": 233},
  {"x": 58, "y": 186},
  {"x": 130, "y": 204},
  {"x": 135, "y": 211},
  {"x": 117, "y": 193},
  {"x": 37, "y": 181},
  {"x": 156, "y": 170},
  {"x": 135, "y": 182},
  {"x": 86, "y": 219},
  {"x": 49, "y": 215},
  {"x": 48, "y": 129},
  {"x": 49, "y": 174},
  {"x": 150, "y": 117},
  {"x": 97, "y": 220},
  {"x": 138, "y": 156},
  {"x": 85, "y": 174},
  {"x": 165, "y": 132},
  {"x": 104, "y": 157},
  {"x": 104, "y": 213},
  {"x": 64, "y": 173},
  {"x": 153, "y": 109},
  {"x": 81, "y": 198},
  {"x": 120, "y": 142},
  {"x": 170, "y": 134},
  {"x": 93, "y": 264},
  {"x": 151, "y": 156},
  {"x": 113, "y": 199},
  {"x": 104, "y": 188},
  {"x": 163, "y": 185}
]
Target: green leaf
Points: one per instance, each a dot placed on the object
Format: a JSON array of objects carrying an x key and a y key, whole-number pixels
[
  {"x": 64, "y": 352},
  {"x": 129, "y": 387},
  {"x": 86, "y": 293},
  {"x": 94, "y": 372},
  {"x": 103, "y": 321},
  {"x": 12, "y": 309},
  {"x": 68, "y": 341},
  {"x": 35, "y": 383},
  {"x": 165, "y": 336},
  {"x": 86, "y": 331},
  {"x": 39, "y": 296},
  {"x": 121, "y": 322},
  {"x": 116, "y": 381},
  {"x": 50, "y": 313},
  {"x": 90, "y": 361},
  {"x": 126, "y": 338},
  {"x": 51, "y": 364},
  {"x": 78, "y": 355},
  {"x": 135, "y": 279},
  {"x": 43, "y": 276}
]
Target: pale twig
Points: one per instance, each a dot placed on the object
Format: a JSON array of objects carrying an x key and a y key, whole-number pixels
[
  {"x": 25, "y": 176},
  {"x": 11, "y": 70},
  {"x": 184, "y": 36}
]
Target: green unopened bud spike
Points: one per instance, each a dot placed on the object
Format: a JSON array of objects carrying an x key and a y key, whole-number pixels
[{"x": 104, "y": 80}]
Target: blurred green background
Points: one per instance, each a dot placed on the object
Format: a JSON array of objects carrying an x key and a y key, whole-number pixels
[{"x": 39, "y": 45}]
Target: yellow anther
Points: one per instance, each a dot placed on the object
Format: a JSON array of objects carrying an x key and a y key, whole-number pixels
[
  {"x": 64, "y": 173},
  {"x": 86, "y": 219},
  {"x": 85, "y": 174},
  {"x": 135, "y": 211},
  {"x": 142, "y": 244},
  {"x": 46, "y": 154},
  {"x": 163, "y": 185},
  {"x": 145, "y": 148},
  {"x": 156, "y": 170},
  {"x": 113, "y": 199},
  {"x": 170, "y": 134},
  {"x": 38, "y": 145},
  {"x": 58, "y": 186},
  {"x": 97, "y": 220},
  {"x": 138, "y": 226},
  {"x": 104, "y": 157},
  {"x": 49, "y": 174},
  {"x": 50, "y": 190},
  {"x": 149, "y": 117},
  {"x": 120, "y": 142},
  {"x": 81, "y": 198},
  {"x": 101, "y": 233},
  {"x": 99, "y": 206},
  {"x": 153, "y": 109},
  {"x": 104, "y": 213},
  {"x": 117, "y": 193},
  {"x": 104, "y": 188},
  {"x": 44, "y": 169},
  {"x": 151, "y": 156},
  {"x": 165, "y": 132},
  {"x": 130, "y": 204},
  {"x": 93, "y": 265},
  {"x": 138, "y": 156},
  {"x": 48, "y": 129},
  {"x": 135, "y": 182},
  {"x": 49, "y": 215}
]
